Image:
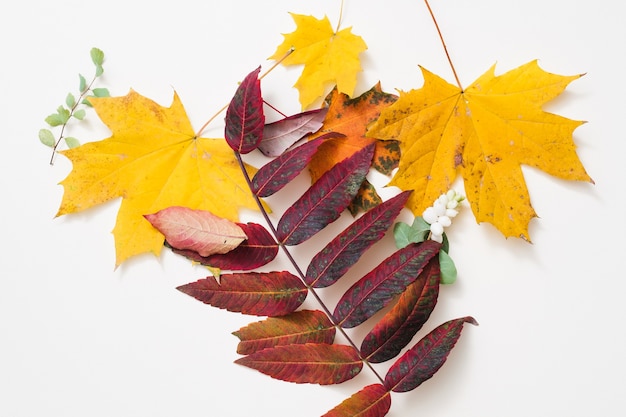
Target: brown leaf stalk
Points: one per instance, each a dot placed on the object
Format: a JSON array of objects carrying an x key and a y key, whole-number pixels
[{"x": 443, "y": 43}]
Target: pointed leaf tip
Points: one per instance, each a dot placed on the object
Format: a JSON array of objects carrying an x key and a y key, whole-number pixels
[
  {"x": 197, "y": 230},
  {"x": 244, "y": 117},
  {"x": 372, "y": 401},
  {"x": 424, "y": 359}
]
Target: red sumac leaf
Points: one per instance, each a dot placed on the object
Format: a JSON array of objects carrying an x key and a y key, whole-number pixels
[
  {"x": 259, "y": 249},
  {"x": 197, "y": 230},
  {"x": 274, "y": 175},
  {"x": 420, "y": 363},
  {"x": 381, "y": 285},
  {"x": 324, "y": 201},
  {"x": 372, "y": 401},
  {"x": 396, "y": 329},
  {"x": 280, "y": 135},
  {"x": 255, "y": 293},
  {"x": 312, "y": 363},
  {"x": 305, "y": 326},
  {"x": 332, "y": 262},
  {"x": 244, "y": 117}
]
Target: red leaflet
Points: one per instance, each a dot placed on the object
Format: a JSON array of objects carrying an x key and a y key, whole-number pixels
[
  {"x": 256, "y": 293},
  {"x": 259, "y": 249},
  {"x": 324, "y": 201},
  {"x": 332, "y": 262},
  {"x": 313, "y": 363},
  {"x": 372, "y": 401},
  {"x": 305, "y": 326},
  {"x": 381, "y": 285},
  {"x": 424, "y": 359},
  {"x": 280, "y": 135},
  {"x": 244, "y": 116},
  {"x": 197, "y": 230},
  {"x": 396, "y": 329},
  {"x": 277, "y": 173}
]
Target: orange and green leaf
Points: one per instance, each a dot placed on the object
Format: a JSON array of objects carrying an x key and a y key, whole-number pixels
[
  {"x": 352, "y": 117},
  {"x": 485, "y": 133}
]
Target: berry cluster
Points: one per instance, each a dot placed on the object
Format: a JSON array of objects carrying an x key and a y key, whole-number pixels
[{"x": 440, "y": 214}]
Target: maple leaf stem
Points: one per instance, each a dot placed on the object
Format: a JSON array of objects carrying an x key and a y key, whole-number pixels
[
  {"x": 208, "y": 122},
  {"x": 340, "y": 17},
  {"x": 298, "y": 270},
  {"x": 445, "y": 48}
]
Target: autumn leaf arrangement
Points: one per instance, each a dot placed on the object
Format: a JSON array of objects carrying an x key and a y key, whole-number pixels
[{"x": 184, "y": 192}]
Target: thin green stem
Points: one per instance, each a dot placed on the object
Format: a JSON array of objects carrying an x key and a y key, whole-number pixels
[
  {"x": 72, "y": 110},
  {"x": 445, "y": 48},
  {"x": 296, "y": 267}
]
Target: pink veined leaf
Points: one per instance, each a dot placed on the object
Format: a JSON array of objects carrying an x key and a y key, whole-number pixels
[
  {"x": 332, "y": 262},
  {"x": 280, "y": 135},
  {"x": 197, "y": 230},
  {"x": 325, "y": 200},
  {"x": 312, "y": 363},
  {"x": 274, "y": 175},
  {"x": 420, "y": 363},
  {"x": 396, "y": 329},
  {"x": 304, "y": 326},
  {"x": 372, "y": 401},
  {"x": 257, "y": 250},
  {"x": 244, "y": 116},
  {"x": 381, "y": 285},
  {"x": 254, "y": 293}
]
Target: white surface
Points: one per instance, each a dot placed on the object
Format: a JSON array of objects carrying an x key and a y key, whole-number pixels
[{"x": 78, "y": 338}]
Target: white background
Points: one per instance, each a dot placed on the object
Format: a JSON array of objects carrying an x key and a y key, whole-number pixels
[{"x": 81, "y": 338}]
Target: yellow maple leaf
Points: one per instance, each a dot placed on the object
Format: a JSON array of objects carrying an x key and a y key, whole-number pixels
[
  {"x": 152, "y": 161},
  {"x": 486, "y": 132},
  {"x": 329, "y": 58}
]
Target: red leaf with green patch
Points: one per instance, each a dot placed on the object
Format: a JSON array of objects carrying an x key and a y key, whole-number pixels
[
  {"x": 396, "y": 329},
  {"x": 372, "y": 401},
  {"x": 332, "y": 262},
  {"x": 325, "y": 200},
  {"x": 257, "y": 250},
  {"x": 420, "y": 363},
  {"x": 305, "y": 326},
  {"x": 274, "y": 175},
  {"x": 313, "y": 363},
  {"x": 280, "y": 135},
  {"x": 244, "y": 116},
  {"x": 385, "y": 282},
  {"x": 255, "y": 293}
]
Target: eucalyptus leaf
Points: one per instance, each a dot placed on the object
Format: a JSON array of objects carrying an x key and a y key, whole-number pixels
[
  {"x": 71, "y": 142},
  {"x": 70, "y": 100},
  {"x": 97, "y": 56},
  {"x": 101, "y": 92},
  {"x": 55, "y": 120},
  {"x": 99, "y": 70},
  {"x": 82, "y": 86},
  {"x": 47, "y": 137},
  {"x": 79, "y": 114}
]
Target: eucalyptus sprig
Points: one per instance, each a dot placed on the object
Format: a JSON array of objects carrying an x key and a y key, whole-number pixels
[{"x": 73, "y": 108}]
